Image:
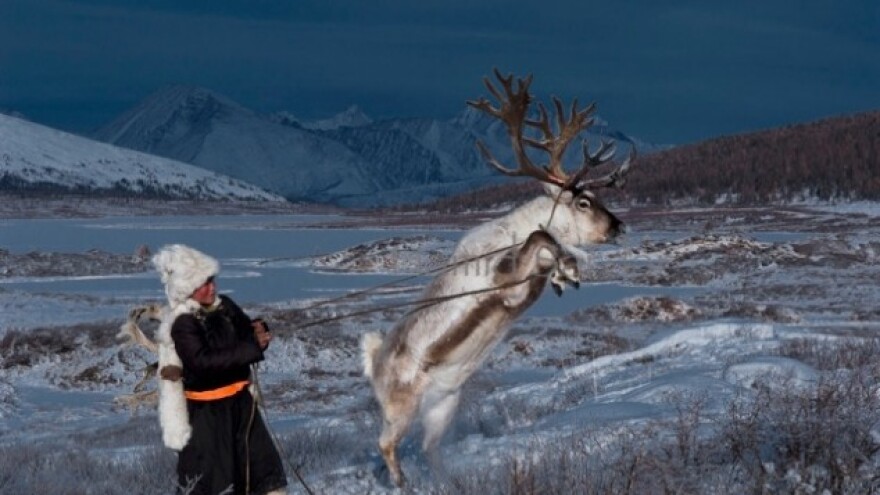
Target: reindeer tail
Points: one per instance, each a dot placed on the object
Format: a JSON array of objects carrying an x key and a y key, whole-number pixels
[{"x": 370, "y": 344}]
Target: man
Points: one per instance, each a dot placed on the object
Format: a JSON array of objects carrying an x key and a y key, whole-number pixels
[{"x": 206, "y": 346}]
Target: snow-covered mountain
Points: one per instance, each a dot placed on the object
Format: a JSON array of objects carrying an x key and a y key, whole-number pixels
[
  {"x": 201, "y": 127},
  {"x": 353, "y": 116},
  {"x": 35, "y": 157},
  {"x": 347, "y": 159}
]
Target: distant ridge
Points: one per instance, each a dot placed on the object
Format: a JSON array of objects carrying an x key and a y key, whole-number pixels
[
  {"x": 37, "y": 159},
  {"x": 832, "y": 158},
  {"x": 347, "y": 159},
  {"x": 352, "y": 116},
  {"x": 836, "y": 158}
]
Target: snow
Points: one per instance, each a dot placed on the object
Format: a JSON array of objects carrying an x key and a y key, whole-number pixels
[
  {"x": 39, "y": 155},
  {"x": 707, "y": 316},
  {"x": 868, "y": 208},
  {"x": 24, "y": 310},
  {"x": 756, "y": 371},
  {"x": 406, "y": 255}
]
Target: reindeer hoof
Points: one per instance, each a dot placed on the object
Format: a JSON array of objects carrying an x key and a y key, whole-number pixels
[
  {"x": 385, "y": 478},
  {"x": 382, "y": 475}
]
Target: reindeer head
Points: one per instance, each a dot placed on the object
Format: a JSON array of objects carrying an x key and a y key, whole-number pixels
[{"x": 578, "y": 217}]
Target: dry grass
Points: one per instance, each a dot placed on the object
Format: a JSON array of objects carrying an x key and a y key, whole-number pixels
[{"x": 777, "y": 438}]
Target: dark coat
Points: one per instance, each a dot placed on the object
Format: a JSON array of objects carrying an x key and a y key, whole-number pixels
[
  {"x": 217, "y": 347},
  {"x": 229, "y": 442}
]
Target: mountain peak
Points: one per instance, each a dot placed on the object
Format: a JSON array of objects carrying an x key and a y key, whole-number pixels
[
  {"x": 285, "y": 118},
  {"x": 173, "y": 110},
  {"x": 187, "y": 95},
  {"x": 352, "y": 116},
  {"x": 471, "y": 118}
]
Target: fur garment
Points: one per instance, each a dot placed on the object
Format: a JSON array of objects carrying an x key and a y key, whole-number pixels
[
  {"x": 183, "y": 270},
  {"x": 173, "y": 415}
]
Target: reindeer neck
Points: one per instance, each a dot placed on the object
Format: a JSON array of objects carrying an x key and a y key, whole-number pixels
[
  {"x": 510, "y": 229},
  {"x": 532, "y": 216}
]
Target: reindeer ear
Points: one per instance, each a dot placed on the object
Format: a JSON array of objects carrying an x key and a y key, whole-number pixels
[{"x": 552, "y": 190}]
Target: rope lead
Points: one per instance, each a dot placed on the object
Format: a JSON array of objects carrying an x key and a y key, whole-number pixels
[
  {"x": 275, "y": 441},
  {"x": 419, "y": 305}
]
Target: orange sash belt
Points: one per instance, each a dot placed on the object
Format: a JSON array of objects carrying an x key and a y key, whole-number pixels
[{"x": 217, "y": 393}]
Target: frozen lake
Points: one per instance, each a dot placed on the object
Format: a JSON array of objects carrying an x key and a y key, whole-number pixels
[{"x": 258, "y": 255}]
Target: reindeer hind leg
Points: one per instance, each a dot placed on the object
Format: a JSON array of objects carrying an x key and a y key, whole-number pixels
[
  {"x": 399, "y": 412},
  {"x": 436, "y": 417}
]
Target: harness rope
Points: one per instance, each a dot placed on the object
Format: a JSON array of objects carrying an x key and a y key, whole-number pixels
[
  {"x": 247, "y": 438},
  {"x": 420, "y": 305},
  {"x": 255, "y": 403},
  {"x": 391, "y": 283},
  {"x": 440, "y": 269}
]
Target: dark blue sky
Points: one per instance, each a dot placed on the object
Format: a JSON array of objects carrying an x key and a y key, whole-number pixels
[{"x": 665, "y": 71}]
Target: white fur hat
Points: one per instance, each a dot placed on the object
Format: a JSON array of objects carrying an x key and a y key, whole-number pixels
[{"x": 183, "y": 270}]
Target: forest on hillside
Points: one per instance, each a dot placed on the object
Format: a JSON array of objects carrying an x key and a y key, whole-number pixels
[{"x": 831, "y": 159}]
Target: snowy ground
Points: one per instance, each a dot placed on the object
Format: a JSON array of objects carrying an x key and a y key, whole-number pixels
[{"x": 739, "y": 305}]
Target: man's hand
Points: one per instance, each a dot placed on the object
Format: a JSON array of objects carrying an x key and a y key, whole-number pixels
[
  {"x": 261, "y": 332},
  {"x": 171, "y": 373}
]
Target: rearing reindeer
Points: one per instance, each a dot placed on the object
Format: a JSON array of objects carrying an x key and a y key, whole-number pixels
[{"x": 419, "y": 368}]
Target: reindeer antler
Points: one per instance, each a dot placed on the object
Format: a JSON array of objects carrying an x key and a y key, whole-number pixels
[
  {"x": 513, "y": 110},
  {"x": 131, "y": 333},
  {"x": 616, "y": 178}
]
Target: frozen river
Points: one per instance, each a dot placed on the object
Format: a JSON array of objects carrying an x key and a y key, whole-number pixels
[{"x": 262, "y": 259}]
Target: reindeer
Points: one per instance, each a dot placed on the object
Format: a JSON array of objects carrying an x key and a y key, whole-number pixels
[{"x": 420, "y": 366}]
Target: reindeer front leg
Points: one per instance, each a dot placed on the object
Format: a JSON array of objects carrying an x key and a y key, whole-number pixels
[
  {"x": 565, "y": 272},
  {"x": 540, "y": 257}
]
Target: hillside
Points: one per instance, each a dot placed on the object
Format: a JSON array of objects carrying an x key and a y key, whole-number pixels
[
  {"x": 38, "y": 159},
  {"x": 198, "y": 126},
  {"x": 830, "y": 159},
  {"x": 834, "y": 158}
]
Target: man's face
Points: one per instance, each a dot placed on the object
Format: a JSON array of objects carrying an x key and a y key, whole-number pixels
[{"x": 206, "y": 293}]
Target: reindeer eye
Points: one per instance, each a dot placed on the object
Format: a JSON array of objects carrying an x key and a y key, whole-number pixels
[{"x": 583, "y": 204}]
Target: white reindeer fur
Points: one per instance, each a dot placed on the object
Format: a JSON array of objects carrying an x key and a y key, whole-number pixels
[
  {"x": 513, "y": 228},
  {"x": 400, "y": 367},
  {"x": 369, "y": 345}
]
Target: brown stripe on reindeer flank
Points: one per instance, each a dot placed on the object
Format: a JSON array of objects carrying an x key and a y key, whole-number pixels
[{"x": 438, "y": 352}]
